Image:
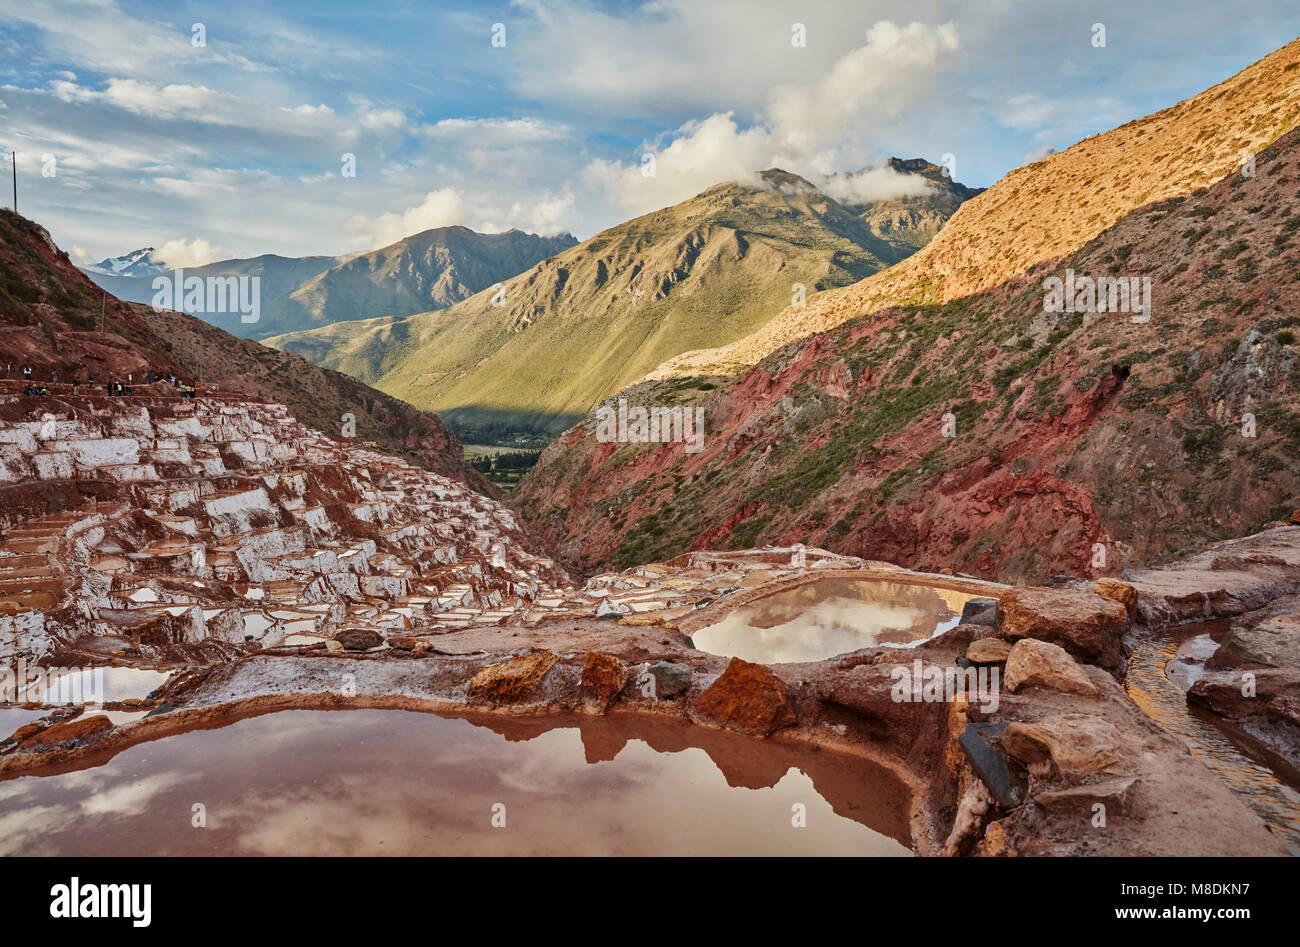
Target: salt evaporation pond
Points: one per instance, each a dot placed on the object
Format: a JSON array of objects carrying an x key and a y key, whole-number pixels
[
  {"x": 822, "y": 619},
  {"x": 391, "y": 782}
]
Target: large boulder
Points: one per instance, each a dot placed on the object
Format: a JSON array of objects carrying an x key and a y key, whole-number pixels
[
  {"x": 1070, "y": 744},
  {"x": 1274, "y": 642},
  {"x": 749, "y": 698},
  {"x": 512, "y": 680},
  {"x": 1044, "y": 664},
  {"x": 1089, "y": 626}
]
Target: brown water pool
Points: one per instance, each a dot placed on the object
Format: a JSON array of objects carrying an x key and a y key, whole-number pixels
[
  {"x": 366, "y": 782},
  {"x": 829, "y": 617}
]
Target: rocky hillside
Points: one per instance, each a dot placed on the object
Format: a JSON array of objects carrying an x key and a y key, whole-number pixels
[
  {"x": 913, "y": 220},
  {"x": 579, "y": 326},
  {"x": 1082, "y": 442},
  {"x": 430, "y": 270},
  {"x": 50, "y": 317},
  {"x": 1053, "y": 207}
]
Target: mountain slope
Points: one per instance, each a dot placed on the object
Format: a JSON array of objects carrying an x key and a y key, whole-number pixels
[
  {"x": 50, "y": 316},
  {"x": 582, "y": 324},
  {"x": 429, "y": 270},
  {"x": 1075, "y": 435},
  {"x": 1052, "y": 207}
]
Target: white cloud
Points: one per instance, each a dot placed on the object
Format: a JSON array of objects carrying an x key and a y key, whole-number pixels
[
  {"x": 807, "y": 128},
  {"x": 873, "y": 184},
  {"x": 181, "y": 252},
  {"x": 880, "y": 78},
  {"x": 441, "y": 208}
]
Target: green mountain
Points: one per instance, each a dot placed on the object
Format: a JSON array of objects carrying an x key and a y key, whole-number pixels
[{"x": 581, "y": 325}]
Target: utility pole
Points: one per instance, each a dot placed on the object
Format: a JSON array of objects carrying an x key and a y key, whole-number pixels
[
  {"x": 13, "y": 156},
  {"x": 103, "y": 301}
]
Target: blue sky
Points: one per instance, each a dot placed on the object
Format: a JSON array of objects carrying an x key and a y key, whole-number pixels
[{"x": 235, "y": 147}]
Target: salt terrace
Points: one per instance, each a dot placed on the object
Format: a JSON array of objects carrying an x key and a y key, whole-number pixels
[{"x": 227, "y": 522}]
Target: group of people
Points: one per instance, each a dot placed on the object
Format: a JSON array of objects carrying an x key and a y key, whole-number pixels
[{"x": 115, "y": 388}]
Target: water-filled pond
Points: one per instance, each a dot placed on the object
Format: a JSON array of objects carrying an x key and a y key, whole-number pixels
[
  {"x": 828, "y": 617},
  {"x": 366, "y": 782}
]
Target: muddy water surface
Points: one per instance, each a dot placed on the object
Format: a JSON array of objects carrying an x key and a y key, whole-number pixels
[
  {"x": 829, "y": 617},
  {"x": 365, "y": 782}
]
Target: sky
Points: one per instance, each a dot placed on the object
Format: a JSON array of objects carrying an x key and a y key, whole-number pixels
[{"x": 218, "y": 130}]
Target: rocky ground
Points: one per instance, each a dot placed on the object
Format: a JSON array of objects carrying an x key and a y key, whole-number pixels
[{"x": 276, "y": 569}]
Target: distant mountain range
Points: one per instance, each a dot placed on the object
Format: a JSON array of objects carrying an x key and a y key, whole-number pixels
[
  {"x": 428, "y": 270},
  {"x": 578, "y": 326},
  {"x": 135, "y": 263}
]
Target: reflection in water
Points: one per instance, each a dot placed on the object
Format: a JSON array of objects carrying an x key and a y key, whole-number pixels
[
  {"x": 822, "y": 619},
  {"x": 367, "y": 782},
  {"x": 1163, "y": 666}
]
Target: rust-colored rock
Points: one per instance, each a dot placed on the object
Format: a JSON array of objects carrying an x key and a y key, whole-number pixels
[
  {"x": 1295, "y": 518},
  {"x": 749, "y": 698},
  {"x": 1044, "y": 664},
  {"x": 1120, "y": 591},
  {"x": 512, "y": 680},
  {"x": 80, "y": 730},
  {"x": 1089, "y": 626},
  {"x": 604, "y": 676}
]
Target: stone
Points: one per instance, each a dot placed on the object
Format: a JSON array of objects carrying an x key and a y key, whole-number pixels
[
  {"x": 1043, "y": 664},
  {"x": 1274, "y": 642},
  {"x": 77, "y": 731},
  {"x": 1089, "y": 626},
  {"x": 1072, "y": 744},
  {"x": 359, "y": 639},
  {"x": 512, "y": 680},
  {"x": 1119, "y": 591},
  {"x": 748, "y": 698},
  {"x": 403, "y": 642},
  {"x": 988, "y": 651},
  {"x": 979, "y": 611},
  {"x": 604, "y": 676},
  {"x": 989, "y": 764},
  {"x": 670, "y": 679},
  {"x": 1115, "y": 794},
  {"x": 1295, "y": 518}
]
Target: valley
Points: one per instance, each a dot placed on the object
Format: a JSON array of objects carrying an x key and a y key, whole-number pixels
[{"x": 836, "y": 513}]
